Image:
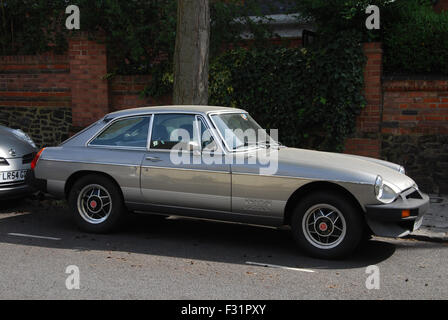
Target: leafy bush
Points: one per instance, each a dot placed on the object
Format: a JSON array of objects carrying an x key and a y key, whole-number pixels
[
  {"x": 414, "y": 36},
  {"x": 138, "y": 32},
  {"x": 311, "y": 95},
  {"x": 415, "y": 39}
]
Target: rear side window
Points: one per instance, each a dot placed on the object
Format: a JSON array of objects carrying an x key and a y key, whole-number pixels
[{"x": 130, "y": 132}]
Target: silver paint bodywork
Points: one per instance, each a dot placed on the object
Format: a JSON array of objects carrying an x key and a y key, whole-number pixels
[
  {"x": 235, "y": 192},
  {"x": 13, "y": 149}
]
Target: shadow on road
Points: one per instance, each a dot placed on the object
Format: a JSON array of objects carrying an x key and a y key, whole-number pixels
[{"x": 180, "y": 238}]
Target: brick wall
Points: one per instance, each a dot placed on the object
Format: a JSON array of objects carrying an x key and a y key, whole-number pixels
[
  {"x": 125, "y": 93},
  {"x": 366, "y": 140},
  {"x": 64, "y": 93},
  {"x": 415, "y": 107},
  {"x": 406, "y": 122},
  {"x": 414, "y": 130},
  {"x": 35, "y": 96},
  {"x": 88, "y": 68}
]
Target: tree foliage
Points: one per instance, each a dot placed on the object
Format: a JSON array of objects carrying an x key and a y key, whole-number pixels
[{"x": 312, "y": 95}]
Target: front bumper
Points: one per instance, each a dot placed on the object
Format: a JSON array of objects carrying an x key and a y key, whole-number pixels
[
  {"x": 386, "y": 220},
  {"x": 14, "y": 191}
]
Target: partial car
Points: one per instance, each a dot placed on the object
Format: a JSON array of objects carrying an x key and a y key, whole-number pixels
[
  {"x": 197, "y": 161},
  {"x": 17, "y": 151}
]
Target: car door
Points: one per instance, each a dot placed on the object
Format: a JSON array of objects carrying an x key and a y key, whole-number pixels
[
  {"x": 118, "y": 151},
  {"x": 174, "y": 173}
]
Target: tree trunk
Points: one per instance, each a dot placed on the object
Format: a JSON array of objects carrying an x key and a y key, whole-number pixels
[{"x": 191, "y": 55}]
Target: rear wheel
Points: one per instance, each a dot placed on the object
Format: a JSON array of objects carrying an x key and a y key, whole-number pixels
[
  {"x": 97, "y": 204},
  {"x": 327, "y": 225}
]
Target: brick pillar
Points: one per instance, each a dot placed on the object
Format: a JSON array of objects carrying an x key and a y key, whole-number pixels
[
  {"x": 366, "y": 140},
  {"x": 88, "y": 66},
  {"x": 441, "y": 5}
]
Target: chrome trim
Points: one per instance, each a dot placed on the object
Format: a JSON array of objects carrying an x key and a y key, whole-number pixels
[
  {"x": 207, "y": 124},
  {"x": 100, "y": 131},
  {"x": 118, "y": 148},
  {"x": 214, "y": 113},
  {"x": 151, "y": 123},
  {"x": 92, "y": 162},
  {"x": 185, "y": 169},
  {"x": 301, "y": 178}
]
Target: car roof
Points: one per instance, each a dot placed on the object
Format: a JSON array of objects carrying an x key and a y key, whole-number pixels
[{"x": 158, "y": 109}]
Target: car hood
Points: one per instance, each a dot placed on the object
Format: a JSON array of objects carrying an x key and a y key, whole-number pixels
[
  {"x": 340, "y": 167},
  {"x": 8, "y": 141}
]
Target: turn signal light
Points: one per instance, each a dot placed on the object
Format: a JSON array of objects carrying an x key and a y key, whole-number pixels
[
  {"x": 405, "y": 213},
  {"x": 36, "y": 159}
]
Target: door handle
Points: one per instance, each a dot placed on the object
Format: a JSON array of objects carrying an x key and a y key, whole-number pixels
[{"x": 153, "y": 159}]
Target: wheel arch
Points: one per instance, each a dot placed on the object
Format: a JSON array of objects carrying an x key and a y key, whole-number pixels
[
  {"x": 79, "y": 174},
  {"x": 313, "y": 187}
]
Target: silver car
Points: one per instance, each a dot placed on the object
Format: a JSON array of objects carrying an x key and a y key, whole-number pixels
[
  {"x": 199, "y": 161},
  {"x": 17, "y": 151}
]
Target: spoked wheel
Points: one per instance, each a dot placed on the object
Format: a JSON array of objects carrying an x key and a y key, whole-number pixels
[
  {"x": 327, "y": 225},
  {"x": 324, "y": 226},
  {"x": 96, "y": 203}
]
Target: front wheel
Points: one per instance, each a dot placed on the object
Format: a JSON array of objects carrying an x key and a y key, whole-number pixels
[
  {"x": 327, "y": 225},
  {"x": 96, "y": 203}
]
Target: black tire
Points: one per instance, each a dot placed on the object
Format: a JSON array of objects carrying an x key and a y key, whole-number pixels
[
  {"x": 308, "y": 215},
  {"x": 113, "y": 215}
]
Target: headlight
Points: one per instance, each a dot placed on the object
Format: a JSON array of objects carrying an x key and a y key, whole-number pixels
[
  {"x": 383, "y": 192},
  {"x": 23, "y": 136},
  {"x": 379, "y": 187},
  {"x": 402, "y": 170}
]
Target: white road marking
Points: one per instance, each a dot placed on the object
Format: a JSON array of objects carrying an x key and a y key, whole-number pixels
[
  {"x": 33, "y": 236},
  {"x": 278, "y": 267}
]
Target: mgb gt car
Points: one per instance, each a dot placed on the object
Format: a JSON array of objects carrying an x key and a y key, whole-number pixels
[{"x": 198, "y": 161}]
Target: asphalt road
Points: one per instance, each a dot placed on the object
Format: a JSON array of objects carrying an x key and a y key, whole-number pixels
[{"x": 153, "y": 258}]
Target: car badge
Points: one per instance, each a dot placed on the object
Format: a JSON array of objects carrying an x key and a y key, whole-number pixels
[{"x": 12, "y": 152}]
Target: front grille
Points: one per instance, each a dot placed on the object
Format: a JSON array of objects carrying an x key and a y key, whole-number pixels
[
  {"x": 414, "y": 195},
  {"x": 28, "y": 158},
  {"x": 411, "y": 193}
]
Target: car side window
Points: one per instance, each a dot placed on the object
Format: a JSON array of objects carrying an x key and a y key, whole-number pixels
[
  {"x": 207, "y": 141},
  {"x": 173, "y": 130},
  {"x": 130, "y": 132}
]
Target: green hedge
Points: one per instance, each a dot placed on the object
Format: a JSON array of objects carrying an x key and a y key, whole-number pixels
[
  {"x": 415, "y": 39},
  {"x": 414, "y": 36},
  {"x": 311, "y": 95}
]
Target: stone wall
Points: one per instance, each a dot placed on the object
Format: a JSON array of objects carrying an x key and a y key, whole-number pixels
[
  {"x": 35, "y": 96},
  {"x": 425, "y": 158},
  {"x": 48, "y": 126},
  {"x": 414, "y": 130}
]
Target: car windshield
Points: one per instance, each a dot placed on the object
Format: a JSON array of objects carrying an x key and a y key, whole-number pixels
[{"x": 240, "y": 131}]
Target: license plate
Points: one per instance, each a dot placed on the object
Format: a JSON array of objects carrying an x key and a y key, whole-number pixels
[{"x": 13, "y": 176}]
